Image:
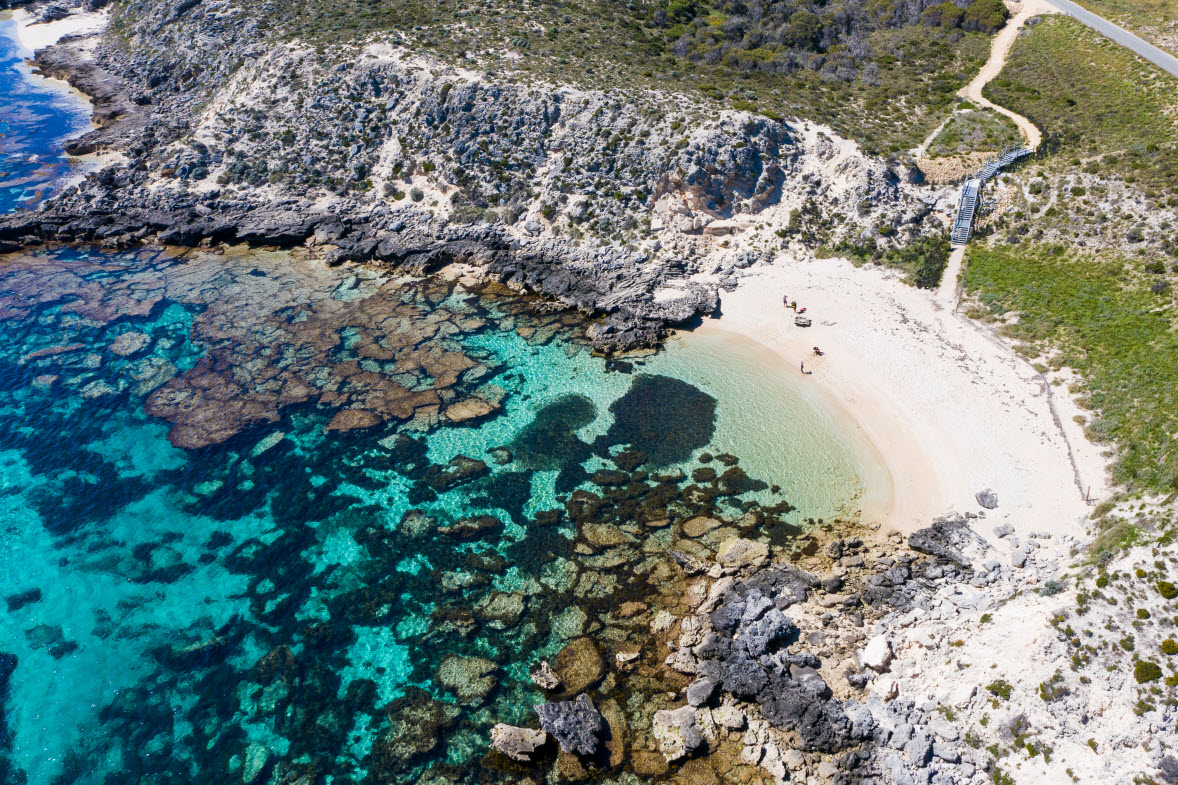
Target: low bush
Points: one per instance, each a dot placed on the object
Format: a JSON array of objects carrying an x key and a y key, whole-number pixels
[{"x": 1146, "y": 671}]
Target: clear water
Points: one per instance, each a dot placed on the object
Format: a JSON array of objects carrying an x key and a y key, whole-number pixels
[
  {"x": 36, "y": 116},
  {"x": 206, "y": 580}
]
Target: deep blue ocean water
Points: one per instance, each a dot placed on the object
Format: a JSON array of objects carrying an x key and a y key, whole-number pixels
[
  {"x": 36, "y": 116},
  {"x": 244, "y": 539}
]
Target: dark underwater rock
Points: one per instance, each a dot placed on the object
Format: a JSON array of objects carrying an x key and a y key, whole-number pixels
[
  {"x": 19, "y": 600},
  {"x": 472, "y": 528}
]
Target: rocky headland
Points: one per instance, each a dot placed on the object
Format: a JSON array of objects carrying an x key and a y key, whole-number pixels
[{"x": 617, "y": 206}]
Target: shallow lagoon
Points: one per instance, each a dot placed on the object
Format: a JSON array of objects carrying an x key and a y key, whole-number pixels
[{"x": 150, "y": 585}]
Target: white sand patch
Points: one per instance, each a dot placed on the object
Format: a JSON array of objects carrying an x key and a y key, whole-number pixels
[
  {"x": 31, "y": 35},
  {"x": 949, "y": 409}
]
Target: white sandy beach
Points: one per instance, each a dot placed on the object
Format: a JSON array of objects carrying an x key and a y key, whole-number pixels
[
  {"x": 949, "y": 410},
  {"x": 31, "y": 35}
]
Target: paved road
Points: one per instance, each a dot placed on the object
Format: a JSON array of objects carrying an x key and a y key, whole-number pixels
[{"x": 1162, "y": 60}]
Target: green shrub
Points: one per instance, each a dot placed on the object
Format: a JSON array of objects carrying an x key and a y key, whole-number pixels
[
  {"x": 1145, "y": 671},
  {"x": 1000, "y": 688},
  {"x": 1167, "y": 590},
  {"x": 985, "y": 15},
  {"x": 1142, "y": 613},
  {"x": 1169, "y": 647},
  {"x": 944, "y": 15},
  {"x": 1050, "y": 588}
]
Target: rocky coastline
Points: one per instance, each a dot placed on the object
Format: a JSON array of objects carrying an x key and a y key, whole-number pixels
[{"x": 615, "y": 208}]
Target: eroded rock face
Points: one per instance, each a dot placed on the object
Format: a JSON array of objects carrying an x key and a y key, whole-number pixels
[
  {"x": 677, "y": 732},
  {"x": 517, "y": 743},
  {"x": 575, "y": 724}
]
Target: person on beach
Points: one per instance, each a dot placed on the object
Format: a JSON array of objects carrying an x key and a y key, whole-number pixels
[{"x": 785, "y": 300}]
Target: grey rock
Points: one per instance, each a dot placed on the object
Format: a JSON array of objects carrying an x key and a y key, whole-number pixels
[
  {"x": 919, "y": 749},
  {"x": 945, "y": 729},
  {"x": 1005, "y": 530},
  {"x": 1018, "y": 559},
  {"x": 760, "y": 636},
  {"x": 946, "y": 752},
  {"x": 700, "y": 691},
  {"x": 744, "y": 677},
  {"x": 987, "y": 499},
  {"x": 575, "y": 724},
  {"x": 821, "y": 724}
]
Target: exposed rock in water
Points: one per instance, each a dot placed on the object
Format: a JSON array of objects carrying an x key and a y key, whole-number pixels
[
  {"x": 517, "y": 743},
  {"x": 575, "y": 724},
  {"x": 545, "y": 678}
]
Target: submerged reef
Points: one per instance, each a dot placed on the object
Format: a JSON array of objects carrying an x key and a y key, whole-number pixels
[{"x": 324, "y": 570}]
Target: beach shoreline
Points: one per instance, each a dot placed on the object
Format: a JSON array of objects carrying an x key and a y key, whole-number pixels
[{"x": 949, "y": 410}]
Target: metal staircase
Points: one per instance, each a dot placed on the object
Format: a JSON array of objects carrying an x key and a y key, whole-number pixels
[
  {"x": 965, "y": 211},
  {"x": 1005, "y": 158},
  {"x": 971, "y": 192}
]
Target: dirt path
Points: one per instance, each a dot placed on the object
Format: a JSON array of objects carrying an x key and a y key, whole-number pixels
[
  {"x": 999, "y": 51},
  {"x": 946, "y": 296}
]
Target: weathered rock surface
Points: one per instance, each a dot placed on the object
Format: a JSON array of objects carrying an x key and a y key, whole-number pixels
[
  {"x": 575, "y": 724},
  {"x": 677, "y": 732},
  {"x": 517, "y": 743}
]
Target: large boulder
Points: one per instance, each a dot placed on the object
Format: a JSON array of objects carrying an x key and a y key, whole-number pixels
[
  {"x": 952, "y": 539},
  {"x": 580, "y": 665},
  {"x": 987, "y": 499},
  {"x": 517, "y": 743},
  {"x": 677, "y": 732},
  {"x": 575, "y": 724}
]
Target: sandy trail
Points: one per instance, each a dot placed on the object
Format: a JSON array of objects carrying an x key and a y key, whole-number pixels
[
  {"x": 948, "y": 410},
  {"x": 999, "y": 51},
  {"x": 947, "y": 292}
]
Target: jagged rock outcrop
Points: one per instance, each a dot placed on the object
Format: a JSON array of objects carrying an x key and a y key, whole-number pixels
[
  {"x": 373, "y": 158},
  {"x": 576, "y": 724},
  {"x": 517, "y": 743}
]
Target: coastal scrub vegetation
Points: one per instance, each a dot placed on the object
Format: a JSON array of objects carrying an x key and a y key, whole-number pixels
[
  {"x": 923, "y": 259},
  {"x": 975, "y": 130},
  {"x": 882, "y": 72},
  {"x": 1098, "y": 105},
  {"x": 1153, "y": 20},
  {"x": 1105, "y": 318}
]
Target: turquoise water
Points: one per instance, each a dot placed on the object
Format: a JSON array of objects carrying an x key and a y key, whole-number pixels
[
  {"x": 247, "y": 529},
  {"x": 36, "y": 116}
]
